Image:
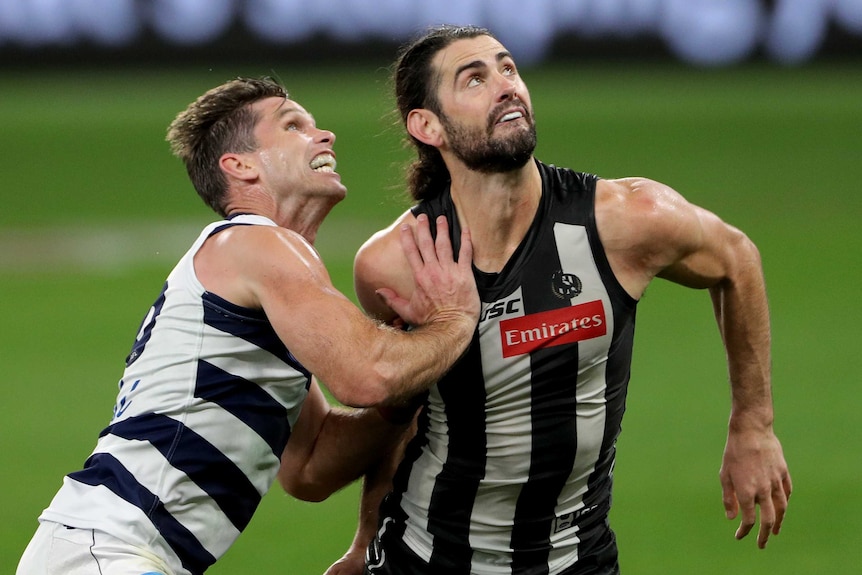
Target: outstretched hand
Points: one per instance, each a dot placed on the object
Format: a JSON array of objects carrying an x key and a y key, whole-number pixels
[
  {"x": 444, "y": 288},
  {"x": 754, "y": 473}
]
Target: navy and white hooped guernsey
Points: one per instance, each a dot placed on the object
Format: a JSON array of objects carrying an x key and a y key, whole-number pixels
[{"x": 204, "y": 411}]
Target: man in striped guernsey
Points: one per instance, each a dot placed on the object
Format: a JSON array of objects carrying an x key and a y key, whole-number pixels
[
  {"x": 511, "y": 469},
  {"x": 217, "y": 398}
]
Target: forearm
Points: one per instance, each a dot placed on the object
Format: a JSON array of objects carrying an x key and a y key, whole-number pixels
[
  {"x": 742, "y": 313},
  {"x": 407, "y": 368},
  {"x": 347, "y": 444},
  {"x": 375, "y": 487},
  {"x": 753, "y": 470}
]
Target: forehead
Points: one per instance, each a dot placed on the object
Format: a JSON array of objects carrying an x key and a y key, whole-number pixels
[
  {"x": 460, "y": 53},
  {"x": 275, "y": 107}
]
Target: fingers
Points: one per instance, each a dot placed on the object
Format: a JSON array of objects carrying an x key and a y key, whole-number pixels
[
  {"x": 767, "y": 521},
  {"x": 773, "y": 508},
  {"x": 443, "y": 246},
  {"x": 732, "y": 506},
  {"x": 389, "y": 297},
  {"x": 728, "y": 497},
  {"x": 780, "y": 498},
  {"x": 409, "y": 242},
  {"x": 420, "y": 247},
  {"x": 754, "y": 475},
  {"x": 749, "y": 518}
]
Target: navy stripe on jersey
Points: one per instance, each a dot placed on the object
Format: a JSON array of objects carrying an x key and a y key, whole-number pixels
[
  {"x": 240, "y": 322},
  {"x": 187, "y": 451},
  {"x": 246, "y": 401},
  {"x": 105, "y": 469},
  {"x": 458, "y": 482},
  {"x": 554, "y": 433},
  {"x": 145, "y": 331}
]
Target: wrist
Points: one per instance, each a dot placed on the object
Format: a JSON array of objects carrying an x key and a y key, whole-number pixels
[{"x": 750, "y": 419}]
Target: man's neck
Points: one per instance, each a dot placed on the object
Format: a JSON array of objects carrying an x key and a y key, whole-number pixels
[
  {"x": 302, "y": 215},
  {"x": 498, "y": 209}
]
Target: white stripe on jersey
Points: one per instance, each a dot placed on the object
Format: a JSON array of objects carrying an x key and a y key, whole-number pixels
[
  {"x": 590, "y": 396},
  {"x": 172, "y": 485},
  {"x": 244, "y": 359},
  {"x": 71, "y": 502},
  {"x": 509, "y": 442}
]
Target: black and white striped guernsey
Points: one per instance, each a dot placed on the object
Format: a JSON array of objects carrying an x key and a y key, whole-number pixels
[{"x": 512, "y": 468}]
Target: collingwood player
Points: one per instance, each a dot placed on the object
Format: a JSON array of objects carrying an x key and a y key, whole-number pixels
[{"x": 511, "y": 469}]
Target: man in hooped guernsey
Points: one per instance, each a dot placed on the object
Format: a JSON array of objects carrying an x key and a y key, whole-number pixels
[
  {"x": 217, "y": 399},
  {"x": 511, "y": 467}
]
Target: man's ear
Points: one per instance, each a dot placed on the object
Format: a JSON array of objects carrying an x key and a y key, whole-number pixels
[
  {"x": 424, "y": 125},
  {"x": 237, "y": 166}
]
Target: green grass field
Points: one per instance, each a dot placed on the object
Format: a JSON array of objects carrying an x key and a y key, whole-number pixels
[{"x": 95, "y": 210}]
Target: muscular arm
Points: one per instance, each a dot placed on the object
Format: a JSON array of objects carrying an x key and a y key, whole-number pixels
[
  {"x": 363, "y": 362},
  {"x": 330, "y": 447},
  {"x": 651, "y": 231},
  {"x": 377, "y": 483}
]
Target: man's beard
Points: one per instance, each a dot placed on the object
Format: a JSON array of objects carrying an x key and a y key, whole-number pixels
[{"x": 482, "y": 152}]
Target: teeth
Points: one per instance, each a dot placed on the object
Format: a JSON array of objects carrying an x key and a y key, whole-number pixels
[
  {"x": 323, "y": 163},
  {"x": 511, "y": 116}
]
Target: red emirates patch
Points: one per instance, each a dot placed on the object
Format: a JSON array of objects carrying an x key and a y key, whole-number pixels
[{"x": 528, "y": 333}]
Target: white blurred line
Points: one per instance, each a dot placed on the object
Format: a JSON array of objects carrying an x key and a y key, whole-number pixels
[{"x": 119, "y": 246}]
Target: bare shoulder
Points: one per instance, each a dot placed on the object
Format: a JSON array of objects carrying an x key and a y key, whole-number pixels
[
  {"x": 636, "y": 198},
  {"x": 380, "y": 262},
  {"x": 236, "y": 263},
  {"x": 639, "y": 212},
  {"x": 649, "y": 229},
  {"x": 644, "y": 226}
]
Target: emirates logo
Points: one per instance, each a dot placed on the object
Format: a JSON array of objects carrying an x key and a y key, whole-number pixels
[{"x": 528, "y": 333}]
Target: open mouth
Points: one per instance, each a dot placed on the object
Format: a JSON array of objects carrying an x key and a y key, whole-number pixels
[
  {"x": 323, "y": 163},
  {"x": 516, "y": 111},
  {"x": 511, "y": 116}
]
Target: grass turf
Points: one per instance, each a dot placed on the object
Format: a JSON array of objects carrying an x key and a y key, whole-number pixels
[{"x": 774, "y": 151}]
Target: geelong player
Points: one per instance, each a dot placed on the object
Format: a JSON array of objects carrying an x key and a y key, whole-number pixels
[{"x": 217, "y": 398}]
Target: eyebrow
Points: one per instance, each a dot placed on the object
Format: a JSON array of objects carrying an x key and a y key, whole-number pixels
[
  {"x": 479, "y": 64},
  {"x": 282, "y": 112}
]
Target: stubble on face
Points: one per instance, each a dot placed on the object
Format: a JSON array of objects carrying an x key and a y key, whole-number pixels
[{"x": 483, "y": 151}]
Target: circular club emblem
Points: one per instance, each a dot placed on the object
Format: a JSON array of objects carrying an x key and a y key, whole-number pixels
[{"x": 566, "y": 286}]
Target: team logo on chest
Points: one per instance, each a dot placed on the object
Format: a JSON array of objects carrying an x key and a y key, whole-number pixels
[{"x": 565, "y": 285}]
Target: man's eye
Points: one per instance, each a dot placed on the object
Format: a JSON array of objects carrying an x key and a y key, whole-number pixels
[
  {"x": 292, "y": 127},
  {"x": 474, "y": 81}
]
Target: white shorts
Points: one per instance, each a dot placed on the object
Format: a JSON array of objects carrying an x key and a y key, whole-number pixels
[{"x": 59, "y": 550}]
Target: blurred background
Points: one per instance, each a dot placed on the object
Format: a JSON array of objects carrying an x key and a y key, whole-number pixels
[{"x": 750, "y": 108}]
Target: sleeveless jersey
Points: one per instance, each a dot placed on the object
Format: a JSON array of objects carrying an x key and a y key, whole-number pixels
[
  {"x": 512, "y": 467},
  {"x": 204, "y": 411}
]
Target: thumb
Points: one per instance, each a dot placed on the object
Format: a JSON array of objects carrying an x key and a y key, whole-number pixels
[
  {"x": 731, "y": 504},
  {"x": 395, "y": 302}
]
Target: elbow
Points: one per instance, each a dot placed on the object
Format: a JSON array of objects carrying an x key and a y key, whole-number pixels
[
  {"x": 745, "y": 250},
  {"x": 746, "y": 263},
  {"x": 375, "y": 384},
  {"x": 305, "y": 488}
]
